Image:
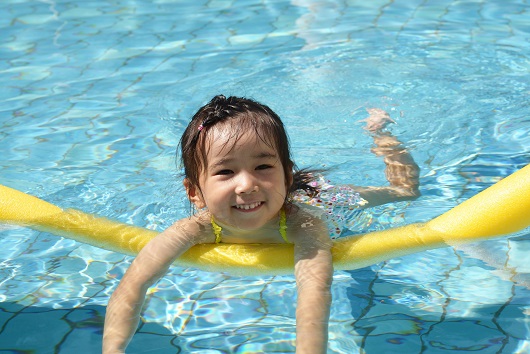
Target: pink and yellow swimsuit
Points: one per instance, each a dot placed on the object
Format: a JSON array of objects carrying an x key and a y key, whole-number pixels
[{"x": 338, "y": 204}]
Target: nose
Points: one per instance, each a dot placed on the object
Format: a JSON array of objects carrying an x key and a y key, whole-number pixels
[{"x": 246, "y": 183}]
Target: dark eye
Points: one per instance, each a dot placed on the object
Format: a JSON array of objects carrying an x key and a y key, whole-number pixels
[
  {"x": 223, "y": 172},
  {"x": 263, "y": 167}
]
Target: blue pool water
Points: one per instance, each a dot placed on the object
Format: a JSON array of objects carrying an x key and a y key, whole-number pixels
[{"x": 95, "y": 94}]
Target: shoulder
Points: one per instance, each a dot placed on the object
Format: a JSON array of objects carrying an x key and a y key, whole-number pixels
[
  {"x": 304, "y": 216},
  {"x": 193, "y": 230},
  {"x": 307, "y": 227},
  {"x": 158, "y": 254}
]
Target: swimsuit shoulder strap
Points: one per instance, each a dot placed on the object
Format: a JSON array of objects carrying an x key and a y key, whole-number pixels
[
  {"x": 283, "y": 225},
  {"x": 216, "y": 230}
]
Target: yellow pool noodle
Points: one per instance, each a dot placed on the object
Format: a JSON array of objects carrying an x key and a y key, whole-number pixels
[{"x": 502, "y": 209}]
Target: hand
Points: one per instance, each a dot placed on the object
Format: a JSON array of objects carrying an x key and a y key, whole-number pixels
[{"x": 377, "y": 120}]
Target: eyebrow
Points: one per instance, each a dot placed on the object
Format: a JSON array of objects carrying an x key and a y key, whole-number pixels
[{"x": 259, "y": 156}]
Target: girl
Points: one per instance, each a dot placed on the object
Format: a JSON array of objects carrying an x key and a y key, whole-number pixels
[{"x": 240, "y": 177}]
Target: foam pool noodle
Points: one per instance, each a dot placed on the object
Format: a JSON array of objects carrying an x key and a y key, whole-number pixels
[{"x": 501, "y": 209}]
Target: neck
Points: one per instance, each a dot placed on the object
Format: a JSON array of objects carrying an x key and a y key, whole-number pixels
[{"x": 268, "y": 233}]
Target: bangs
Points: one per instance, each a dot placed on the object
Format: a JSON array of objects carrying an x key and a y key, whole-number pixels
[{"x": 234, "y": 129}]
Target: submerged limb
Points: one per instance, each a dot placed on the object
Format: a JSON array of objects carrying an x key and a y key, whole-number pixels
[
  {"x": 153, "y": 261},
  {"x": 314, "y": 275},
  {"x": 401, "y": 170}
]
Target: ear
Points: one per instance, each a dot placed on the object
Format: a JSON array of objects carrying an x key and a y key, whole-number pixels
[
  {"x": 290, "y": 179},
  {"x": 194, "y": 194}
]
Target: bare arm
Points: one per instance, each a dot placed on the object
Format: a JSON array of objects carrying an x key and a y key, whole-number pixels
[
  {"x": 125, "y": 305},
  {"x": 314, "y": 275},
  {"x": 401, "y": 171}
]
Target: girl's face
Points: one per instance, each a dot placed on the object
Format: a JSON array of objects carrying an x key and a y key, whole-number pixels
[{"x": 243, "y": 184}]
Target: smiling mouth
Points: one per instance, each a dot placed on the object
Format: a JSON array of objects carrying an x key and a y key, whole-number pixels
[{"x": 250, "y": 206}]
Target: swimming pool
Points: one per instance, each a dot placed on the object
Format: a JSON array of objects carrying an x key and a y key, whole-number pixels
[{"x": 95, "y": 95}]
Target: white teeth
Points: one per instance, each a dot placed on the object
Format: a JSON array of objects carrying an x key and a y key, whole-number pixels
[{"x": 248, "y": 206}]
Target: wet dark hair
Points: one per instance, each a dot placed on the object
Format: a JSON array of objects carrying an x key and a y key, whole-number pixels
[{"x": 244, "y": 115}]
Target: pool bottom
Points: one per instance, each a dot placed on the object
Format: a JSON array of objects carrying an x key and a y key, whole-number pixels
[{"x": 392, "y": 307}]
